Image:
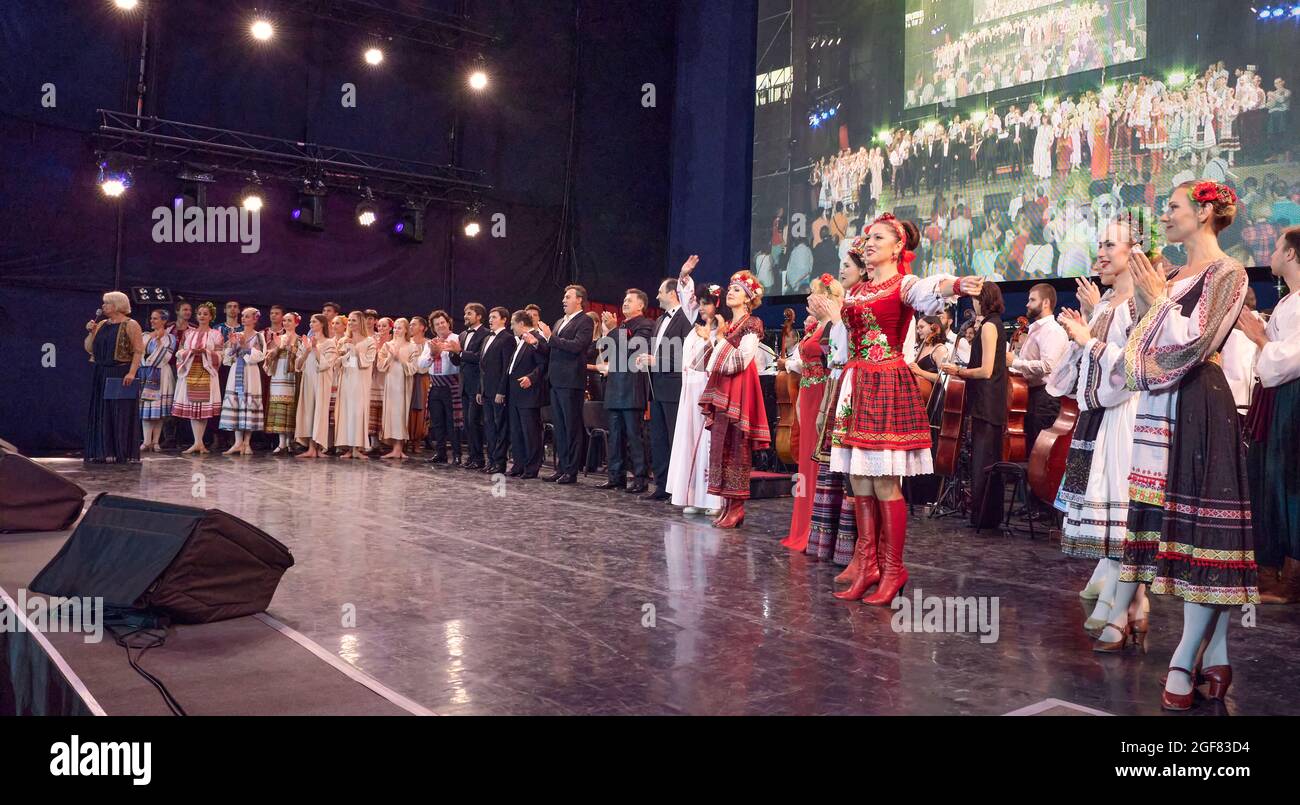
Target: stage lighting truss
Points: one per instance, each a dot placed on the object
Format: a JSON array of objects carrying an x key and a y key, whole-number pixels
[
  {"x": 151, "y": 141},
  {"x": 429, "y": 29}
]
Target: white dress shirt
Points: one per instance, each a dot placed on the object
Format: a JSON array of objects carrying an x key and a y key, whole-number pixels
[
  {"x": 1279, "y": 361},
  {"x": 1043, "y": 349},
  {"x": 440, "y": 365}
]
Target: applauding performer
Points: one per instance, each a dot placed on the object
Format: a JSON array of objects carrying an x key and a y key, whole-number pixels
[
  {"x": 881, "y": 431},
  {"x": 566, "y": 355},
  {"x": 733, "y": 400},
  {"x": 1095, "y": 488},
  {"x": 1189, "y": 530}
]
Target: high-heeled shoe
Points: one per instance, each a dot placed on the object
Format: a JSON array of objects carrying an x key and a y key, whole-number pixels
[
  {"x": 735, "y": 516},
  {"x": 1139, "y": 630},
  {"x": 865, "y": 564},
  {"x": 722, "y": 512},
  {"x": 1219, "y": 678},
  {"x": 893, "y": 537},
  {"x": 1177, "y": 701},
  {"x": 1115, "y": 646}
]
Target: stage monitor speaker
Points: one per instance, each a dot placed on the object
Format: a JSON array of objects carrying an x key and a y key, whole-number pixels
[
  {"x": 996, "y": 201},
  {"x": 33, "y": 498},
  {"x": 191, "y": 565}
]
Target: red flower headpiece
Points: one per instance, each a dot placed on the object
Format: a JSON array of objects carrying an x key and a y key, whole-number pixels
[
  {"x": 748, "y": 283},
  {"x": 1213, "y": 192},
  {"x": 826, "y": 279}
]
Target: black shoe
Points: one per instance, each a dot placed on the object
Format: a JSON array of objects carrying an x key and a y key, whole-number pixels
[
  {"x": 567, "y": 478},
  {"x": 636, "y": 487},
  {"x": 659, "y": 494},
  {"x": 473, "y": 465},
  {"x": 515, "y": 472},
  {"x": 555, "y": 476},
  {"x": 528, "y": 476},
  {"x": 455, "y": 461},
  {"x": 612, "y": 484},
  {"x": 436, "y": 460}
]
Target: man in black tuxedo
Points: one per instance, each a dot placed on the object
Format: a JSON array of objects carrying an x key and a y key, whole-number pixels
[
  {"x": 494, "y": 360},
  {"x": 626, "y": 389},
  {"x": 566, "y": 358},
  {"x": 664, "y": 362},
  {"x": 524, "y": 387},
  {"x": 467, "y": 354}
]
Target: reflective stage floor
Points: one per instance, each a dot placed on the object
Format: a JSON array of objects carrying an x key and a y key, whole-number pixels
[{"x": 471, "y": 597}]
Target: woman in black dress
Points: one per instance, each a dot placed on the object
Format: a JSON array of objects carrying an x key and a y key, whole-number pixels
[
  {"x": 116, "y": 346},
  {"x": 986, "y": 402},
  {"x": 933, "y": 353}
]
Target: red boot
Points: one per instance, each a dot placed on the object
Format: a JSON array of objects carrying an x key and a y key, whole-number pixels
[
  {"x": 735, "y": 515},
  {"x": 893, "y": 533},
  {"x": 722, "y": 512},
  {"x": 864, "y": 550}
]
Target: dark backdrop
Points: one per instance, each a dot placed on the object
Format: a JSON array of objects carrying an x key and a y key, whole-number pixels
[{"x": 567, "y": 82}]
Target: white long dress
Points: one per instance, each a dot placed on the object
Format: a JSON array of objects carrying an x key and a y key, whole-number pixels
[
  {"x": 1096, "y": 517},
  {"x": 352, "y": 413},
  {"x": 688, "y": 466},
  {"x": 1043, "y": 150},
  {"x": 397, "y": 369}
]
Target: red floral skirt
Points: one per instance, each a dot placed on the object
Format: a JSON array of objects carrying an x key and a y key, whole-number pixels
[{"x": 884, "y": 409}]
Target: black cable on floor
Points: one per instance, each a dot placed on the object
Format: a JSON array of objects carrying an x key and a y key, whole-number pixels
[{"x": 152, "y": 638}]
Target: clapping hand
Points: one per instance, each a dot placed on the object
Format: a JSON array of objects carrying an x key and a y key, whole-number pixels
[
  {"x": 1075, "y": 325},
  {"x": 1148, "y": 285},
  {"x": 529, "y": 338},
  {"x": 970, "y": 286},
  {"x": 1088, "y": 294},
  {"x": 1252, "y": 327}
]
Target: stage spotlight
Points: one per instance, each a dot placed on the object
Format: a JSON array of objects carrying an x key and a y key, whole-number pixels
[
  {"x": 367, "y": 209},
  {"x": 410, "y": 222},
  {"x": 374, "y": 56},
  {"x": 126, "y": 5},
  {"x": 261, "y": 30},
  {"x": 1177, "y": 78},
  {"x": 1295, "y": 11},
  {"x": 470, "y": 223},
  {"x": 1263, "y": 14},
  {"x": 113, "y": 181},
  {"x": 1277, "y": 12},
  {"x": 478, "y": 80},
  {"x": 310, "y": 210},
  {"x": 194, "y": 185},
  {"x": 251, "y": 197}
]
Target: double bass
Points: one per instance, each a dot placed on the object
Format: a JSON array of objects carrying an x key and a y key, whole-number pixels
[
  {"x": 948, "y": 448},
  {"x": 1014, "y": 448},
  {"x": 1050, "y": 450},
  {"x": 787, "y": 391}
]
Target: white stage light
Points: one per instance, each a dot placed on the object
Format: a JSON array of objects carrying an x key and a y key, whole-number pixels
[
  {"x": 478, "y": 80},
  {"x": 126, "y": 5},
  {"x": 261, "y": 30},
  {"x": 374, "y": 56}
]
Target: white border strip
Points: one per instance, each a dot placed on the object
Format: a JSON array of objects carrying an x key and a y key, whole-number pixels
[
  {"x": 348, "y": 670},
  {"x": 75, "y": 681},
  {"x": 1048, "y": 704}
]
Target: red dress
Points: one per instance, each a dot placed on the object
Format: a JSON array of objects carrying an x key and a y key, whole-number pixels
[
  {"x": 881, "y": 427},
  {"x": 813, "y": 380},
  {"x": 732, "y": 404}
]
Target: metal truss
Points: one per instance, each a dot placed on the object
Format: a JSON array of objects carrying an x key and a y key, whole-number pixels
[
  {"x": 150, "y": 140},
  {"x": 445, "y": 31}
]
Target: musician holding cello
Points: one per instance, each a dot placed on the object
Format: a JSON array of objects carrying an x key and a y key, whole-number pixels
[{"x": 1045, "y": 344}]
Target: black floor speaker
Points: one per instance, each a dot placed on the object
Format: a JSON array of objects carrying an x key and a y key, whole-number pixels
[
  {"x": 190, "y": 565},
  {"x": 32, "y": 498}
]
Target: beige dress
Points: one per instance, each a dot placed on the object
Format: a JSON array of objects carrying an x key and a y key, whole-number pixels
[
  {"x": 316, "y": 368},
  {"x": 352, "y": 413},
  {"x": 396, "y": 369}
]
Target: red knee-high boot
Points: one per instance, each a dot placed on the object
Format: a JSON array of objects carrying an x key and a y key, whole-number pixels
[
  {"x": 735, "y": 514},
  {"x": 864, "y": 550},
  {"x": 893, "y": 534}
]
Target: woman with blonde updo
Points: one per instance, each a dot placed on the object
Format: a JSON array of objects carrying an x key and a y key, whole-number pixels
[
  {"x": 810, "y": 363},
  {"x": 1189, "y": 526}
]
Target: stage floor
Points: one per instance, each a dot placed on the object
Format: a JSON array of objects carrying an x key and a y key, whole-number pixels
[{"x": 529, "y": 598}]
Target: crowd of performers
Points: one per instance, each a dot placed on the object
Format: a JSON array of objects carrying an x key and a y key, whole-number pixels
[
  {"x": 1132, "y": 132},
  {"x": 1168, "y": 487}
]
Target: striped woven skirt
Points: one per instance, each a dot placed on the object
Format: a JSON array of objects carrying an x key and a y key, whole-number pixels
[
  {"x": 198, "y": 389},
  {"x": 833, "y": 527}
]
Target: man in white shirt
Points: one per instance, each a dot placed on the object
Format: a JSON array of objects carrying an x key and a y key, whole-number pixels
[
  {"x": 1239, "y": 354},
  {"x": 1043, "y": 349},
  {"x": 437, "y": 358}
]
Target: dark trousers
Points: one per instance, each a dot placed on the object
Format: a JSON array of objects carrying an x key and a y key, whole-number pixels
[
  {"x": 473, "y": 413},
  {"x": 526, "y": 438},
  {"x": 663, "y": 423},
  {"x": 985, "y": 451},
  {"x": 442, "y": 421},
  {"x": 566, "y": 417},
  {"x": 626, "y": 444},
  {"x": 496, "y": 428},
  {"x": 1042, "y": 412}
]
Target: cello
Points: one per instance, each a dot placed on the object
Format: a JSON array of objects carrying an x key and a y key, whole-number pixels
[
  {"x": 787, "y": 391},
  {"x": 948, "y": 448},
  {"x": 1014, "y": 448},
  {"x": 1051, "y": 448}
]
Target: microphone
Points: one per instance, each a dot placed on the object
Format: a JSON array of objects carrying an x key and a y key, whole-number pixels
[{"x": 99, "y": 313}]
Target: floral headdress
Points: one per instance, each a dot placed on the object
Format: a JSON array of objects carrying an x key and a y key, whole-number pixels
[
  {"x": 1213, "y": 193},
  {"x": 748, "y": 283}
]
